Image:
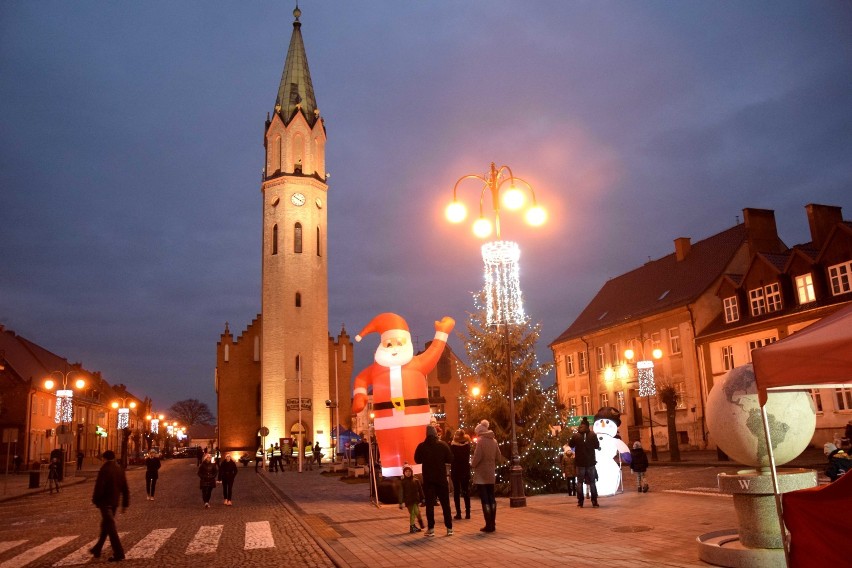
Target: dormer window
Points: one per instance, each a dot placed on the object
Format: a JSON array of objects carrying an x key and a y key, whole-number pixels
[
  {"x": 732, "y": 309},
  {"x": 805, "y": 288},
  {"x": 757, "y": 301},
  {"x": 773, "y": 298},
  {"x": 839, "y": 277}
]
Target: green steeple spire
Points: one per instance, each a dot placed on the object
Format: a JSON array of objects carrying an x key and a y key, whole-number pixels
[{"x": 296, "y": 89}]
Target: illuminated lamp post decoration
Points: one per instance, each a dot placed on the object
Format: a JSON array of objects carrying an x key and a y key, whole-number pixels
[
  {"x": 123, "y": 424},
  {"x": 647, "y": 385},
  {"x": 64, "y": 405},
  {"x": 502, "y": 284}
]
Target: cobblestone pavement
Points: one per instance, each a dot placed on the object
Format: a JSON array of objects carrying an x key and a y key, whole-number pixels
[{"x": 173, "y": 530}]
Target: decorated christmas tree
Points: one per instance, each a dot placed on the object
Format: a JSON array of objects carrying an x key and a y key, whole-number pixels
[{"x": 485, "y": 395}]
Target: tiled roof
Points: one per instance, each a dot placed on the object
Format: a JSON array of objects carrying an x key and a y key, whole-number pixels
[
  {"x": 659, "y": 285},
  {"x": 779, "y": 261}
]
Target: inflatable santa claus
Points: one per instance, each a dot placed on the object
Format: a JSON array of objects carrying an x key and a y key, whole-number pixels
[{"x": 400, "y": 395}]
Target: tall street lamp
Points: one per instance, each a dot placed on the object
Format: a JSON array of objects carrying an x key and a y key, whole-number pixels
[
  {"x": 647, "y": 385},
  {"x": 123, "y": 424},
  {"x": 64, "y": 406},
  {"x": 502, "y": 286},
  {"x": 153, "y": 427}
]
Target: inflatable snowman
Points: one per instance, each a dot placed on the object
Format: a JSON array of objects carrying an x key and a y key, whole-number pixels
[{"x": 605, "y": 427}]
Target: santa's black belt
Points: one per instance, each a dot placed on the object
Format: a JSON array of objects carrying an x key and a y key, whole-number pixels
[{"x": 400, "y": 404}]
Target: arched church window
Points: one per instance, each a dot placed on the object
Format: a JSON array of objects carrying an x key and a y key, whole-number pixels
[
  {"x": 274, "y": 239},
  {"x": 297, "y": 238},
  {"x": 298, "y": 299},
  {"x": 298, "y": 361},
  {"x": 319, "y": 243}
]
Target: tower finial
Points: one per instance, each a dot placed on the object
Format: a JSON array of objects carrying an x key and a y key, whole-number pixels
[{"x": 297, "y": 12}]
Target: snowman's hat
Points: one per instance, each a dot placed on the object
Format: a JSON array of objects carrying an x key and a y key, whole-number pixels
[
  {"x": 383, "y": 323},
  {"x": 609, "y": 413}
]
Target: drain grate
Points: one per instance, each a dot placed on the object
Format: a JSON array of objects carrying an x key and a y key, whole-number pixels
[{"x": 631, "y": 529}]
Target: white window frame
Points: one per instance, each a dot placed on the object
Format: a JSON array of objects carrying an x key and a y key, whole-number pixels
[
  {"x": 757, "y": 303},
  {"x": 621, "y": 404},
  {"x": 600, "y": 352},
  {"x": 582, "y": 363},
  {"x": 816, "y": 396},
  {"x": 840, "y": 278},
  {"x": 732, "y": 309},
  {"x": 728, "y": 357},
  {"x": 613, "y": 354},
  {"x": 587, "y": 405},
  {"x": 604, "y": 398},
  {"x": 674, "y": 340},
  {"x": 569, "y": 365},
  {"x": 572, "y": 406},
  {"x": 843, "y": 398},
  {"x": 758, "y": 343},
  {"x": 805, "y": 288},
  {"x": 772, "y": 294}
]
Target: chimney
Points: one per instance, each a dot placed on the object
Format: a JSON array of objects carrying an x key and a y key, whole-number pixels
[
  {"x": 761, "y": 231},
  {"x": 822, "y": 219},
  {"x": 682, "y": 246}
]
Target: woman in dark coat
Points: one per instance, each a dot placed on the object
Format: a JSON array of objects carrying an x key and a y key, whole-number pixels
[
  {"x": 460, "y": 473},
  {"x": 152, "y": 468},
  {"x": 227, "y": 473},
  {"x": 207, "y": 472}
]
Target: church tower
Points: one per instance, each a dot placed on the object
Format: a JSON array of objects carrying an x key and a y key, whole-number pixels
[{"x": 294, "y": 283}]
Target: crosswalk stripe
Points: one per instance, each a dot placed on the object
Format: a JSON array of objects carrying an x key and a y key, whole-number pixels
[
  {"x": 10, "y": 544},
  {"x": 259, "y": 535},
  {"x": 36, "y": 552},
  {"x": 82, "y": 554},
  {"x": 148, "y": 546},
  {"x": 206, "y": 540}
]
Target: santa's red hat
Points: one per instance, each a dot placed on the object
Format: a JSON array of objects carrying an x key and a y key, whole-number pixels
[{"x": 383, "y": 323}]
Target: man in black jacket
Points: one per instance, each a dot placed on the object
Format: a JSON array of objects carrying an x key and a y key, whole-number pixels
[
  {"x": 109, "y": 486},
  {"x": 584, "y": 443},
  {"x": 435, "y": 455}
]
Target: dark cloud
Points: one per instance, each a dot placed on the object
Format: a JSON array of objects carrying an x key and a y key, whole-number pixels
[{"x": 131, "y": 151}]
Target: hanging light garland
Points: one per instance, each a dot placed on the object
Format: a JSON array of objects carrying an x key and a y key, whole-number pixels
[{"x": 64, "y": 406}]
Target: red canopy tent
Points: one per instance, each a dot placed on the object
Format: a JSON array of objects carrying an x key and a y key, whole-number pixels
[{"x": 818, "y": 355}]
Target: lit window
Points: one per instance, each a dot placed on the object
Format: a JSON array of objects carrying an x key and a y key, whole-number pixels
[
  {"x": 728, "y": 357},
  {"x": 674, "y": 340},
  {"x": 758, "y": 302},
  {"x": 773, "y": 297},
  {"x": 839, "y": 278},
  {"x": 805, "y": 288},
  {"x": 732, "y": 310}
]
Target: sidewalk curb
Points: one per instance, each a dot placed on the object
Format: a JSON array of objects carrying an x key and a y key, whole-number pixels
[{"x": 299, "y": 515}]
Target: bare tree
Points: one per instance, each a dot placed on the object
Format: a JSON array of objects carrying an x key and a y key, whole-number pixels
[
  {"x": 191, "y": 412},
  {"x": 669, "y": 396}
]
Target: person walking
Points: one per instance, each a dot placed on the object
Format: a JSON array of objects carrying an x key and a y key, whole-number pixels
[
  {"x": 584, "y": 443},
  {"x": 227, "y": 473},
  {"x": 410, "y": 495},
  {"x": 569, "y": 469},
  {"x": 639, "y": 465},
  {"x": 485, "y": 458},
  {"x": 208, "y": 472},
  {"x": 80, "y": 456},
  {"x": 152, "y": 469},
  {"x": 110, "y": 484},
  {"x": 317, "y": 454},
  {"x": 434, "y": 455},
  {"x": 460, "y": 472},
  {"x": 258, "y": 459},
  {"x": 53, "y": 475}
]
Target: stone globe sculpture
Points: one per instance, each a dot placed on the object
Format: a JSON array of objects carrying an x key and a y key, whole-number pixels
[{"x": 736, "y": 425}]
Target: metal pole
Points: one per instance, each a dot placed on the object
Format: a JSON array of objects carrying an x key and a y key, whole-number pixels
[
  {"x": 301, "y": 428},
  {"x": 516, "y": 479},
  {"x": 651, "y": 427}
]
